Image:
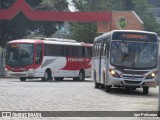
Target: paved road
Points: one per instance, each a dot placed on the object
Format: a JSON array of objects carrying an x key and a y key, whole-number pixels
[{"x": 68, "y": 95}]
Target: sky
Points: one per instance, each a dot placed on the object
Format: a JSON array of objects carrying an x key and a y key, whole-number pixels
[{"x": 71, "y": 7}]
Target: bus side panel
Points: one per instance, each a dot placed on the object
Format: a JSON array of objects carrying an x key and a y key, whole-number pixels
[
  {"x": 64, "y": 67},
  {"x": 96, "y": 68},
  {"x": 52, "y": 63},
  {"x": 103, "y": 69}
]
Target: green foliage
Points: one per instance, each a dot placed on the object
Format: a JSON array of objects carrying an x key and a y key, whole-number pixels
[
  {"x": 6, "y": 3},
  {"x": 83, "y": 32},
  {"x": 79, "y": 30},
  {"x": 33, "y": 3},
  {"x": 20, "y": 27},
  {"x": 1, "y": 49}
]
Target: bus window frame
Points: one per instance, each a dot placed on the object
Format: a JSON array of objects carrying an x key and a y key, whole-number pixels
[{"x": 39, "y": 59}]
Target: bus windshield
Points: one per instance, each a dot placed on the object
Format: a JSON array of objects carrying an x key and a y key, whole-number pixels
[
  {"x": 134, "y": 55},
  {"x": 19, "y": 54}
]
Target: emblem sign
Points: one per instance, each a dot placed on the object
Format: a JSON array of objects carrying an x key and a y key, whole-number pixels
[{"x": 122, "y": 23}]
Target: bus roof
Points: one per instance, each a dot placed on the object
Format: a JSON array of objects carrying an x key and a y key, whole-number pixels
[
  {"x": 111, "y": 32},
  {"x": 26, "y": 41},
  {"x": 51, "y": 41}
]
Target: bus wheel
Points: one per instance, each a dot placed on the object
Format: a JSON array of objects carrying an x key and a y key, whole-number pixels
[
  {"x": 97, "y": 85},
  {"x": 75, "y": 78},
  {"x": 145, "y": 90},
  {"x": 46, "y": 76},
  {"x": 102, "y": 86},
  {"x": 81, "y": 75},
  {"x": 22, "y": 79},
  {"x": 108, "y": 88},
  {"x": 58, "y": 78}
]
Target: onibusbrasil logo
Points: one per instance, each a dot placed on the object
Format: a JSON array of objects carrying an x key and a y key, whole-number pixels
[{"x": 121, "y": 22}]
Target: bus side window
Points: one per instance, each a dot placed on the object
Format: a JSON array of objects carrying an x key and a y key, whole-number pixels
[
  {"x": 96, "y": 50},
  {"x": 88, "y": 51},
  {"x": 38, "y": 53},
  {"x": 99, "y": 48},
  {"x": 67, "y": 50},
  {"x": 107, "y": 46},
  {"x": 104, "y": 48}
]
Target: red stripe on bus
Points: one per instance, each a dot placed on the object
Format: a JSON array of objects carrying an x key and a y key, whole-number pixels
[{"x": 77, "y": 63}]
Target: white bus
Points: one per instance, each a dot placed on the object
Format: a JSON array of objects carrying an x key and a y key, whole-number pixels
[
  {"x": 48, "y": 58},
  {"x": 125, "y": 58}
]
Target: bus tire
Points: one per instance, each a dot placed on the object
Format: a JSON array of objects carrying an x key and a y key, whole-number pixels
[
  {"x": 58, "y": 78},
  {"x": 145, "y": 90},
  {"x": 81, "y": 75},
  {"x": 46, "y": 76},
  {"x": 97, "y": 85},
  {"x": 75, "y": 78},
  {"x": 22, "y": 79},
  {"x": 102, "y": 86},
  {"x": 108, "y": 88}
]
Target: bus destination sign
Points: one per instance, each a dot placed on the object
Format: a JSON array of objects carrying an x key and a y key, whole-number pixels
[
  {"x": 14, "y": 45},
  {"x": 133, "y": 36}
]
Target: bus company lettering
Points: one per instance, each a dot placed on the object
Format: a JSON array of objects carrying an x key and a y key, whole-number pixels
[
  {"x": 77, "y": 63},
  {"x": 75, "y": 59},
  {"x": 134, "y": 36}
]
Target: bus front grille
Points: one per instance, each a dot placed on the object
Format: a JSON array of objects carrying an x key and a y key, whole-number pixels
[
  {"x": 132, "y": 72},
  {"x": 132, "y": 76},
  {"x": 132, "y": 82}
]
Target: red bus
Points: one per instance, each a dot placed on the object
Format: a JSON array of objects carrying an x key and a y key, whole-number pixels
[{"x": 48, "y": 58}]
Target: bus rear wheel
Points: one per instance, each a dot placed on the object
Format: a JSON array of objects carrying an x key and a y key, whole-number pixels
[
  {"x": 97, "y": 85},
  {"x": 58, "y": 78},
  {"x": 22, "y": 79},
  {"x": 81, "y": 75},
  {"x": 75, "y": 78}
]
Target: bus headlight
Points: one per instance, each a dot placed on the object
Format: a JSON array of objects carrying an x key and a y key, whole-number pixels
[
  {"x": 7, "y": 70},
  {"x": 114, "y": 73},
  {"x": 152, "y": 75},
  {"x": 30, "y": 69}
]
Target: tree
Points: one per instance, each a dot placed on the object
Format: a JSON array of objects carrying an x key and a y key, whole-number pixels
[
  {"x": 4, "y": 4},
  {"x": 21, "y": 27},
  {"x": 84, "y": 32},
  {"x": 139, "y": 6}
]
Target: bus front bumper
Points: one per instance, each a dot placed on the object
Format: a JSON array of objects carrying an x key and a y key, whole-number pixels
[
  {"x": 28, "y": 73},
  {"x": 132, "y": 82}
]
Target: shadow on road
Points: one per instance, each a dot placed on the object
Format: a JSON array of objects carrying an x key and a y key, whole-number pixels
[
  {"x": 124, "y": 92},
  {"x": 39, "y": 80}
]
